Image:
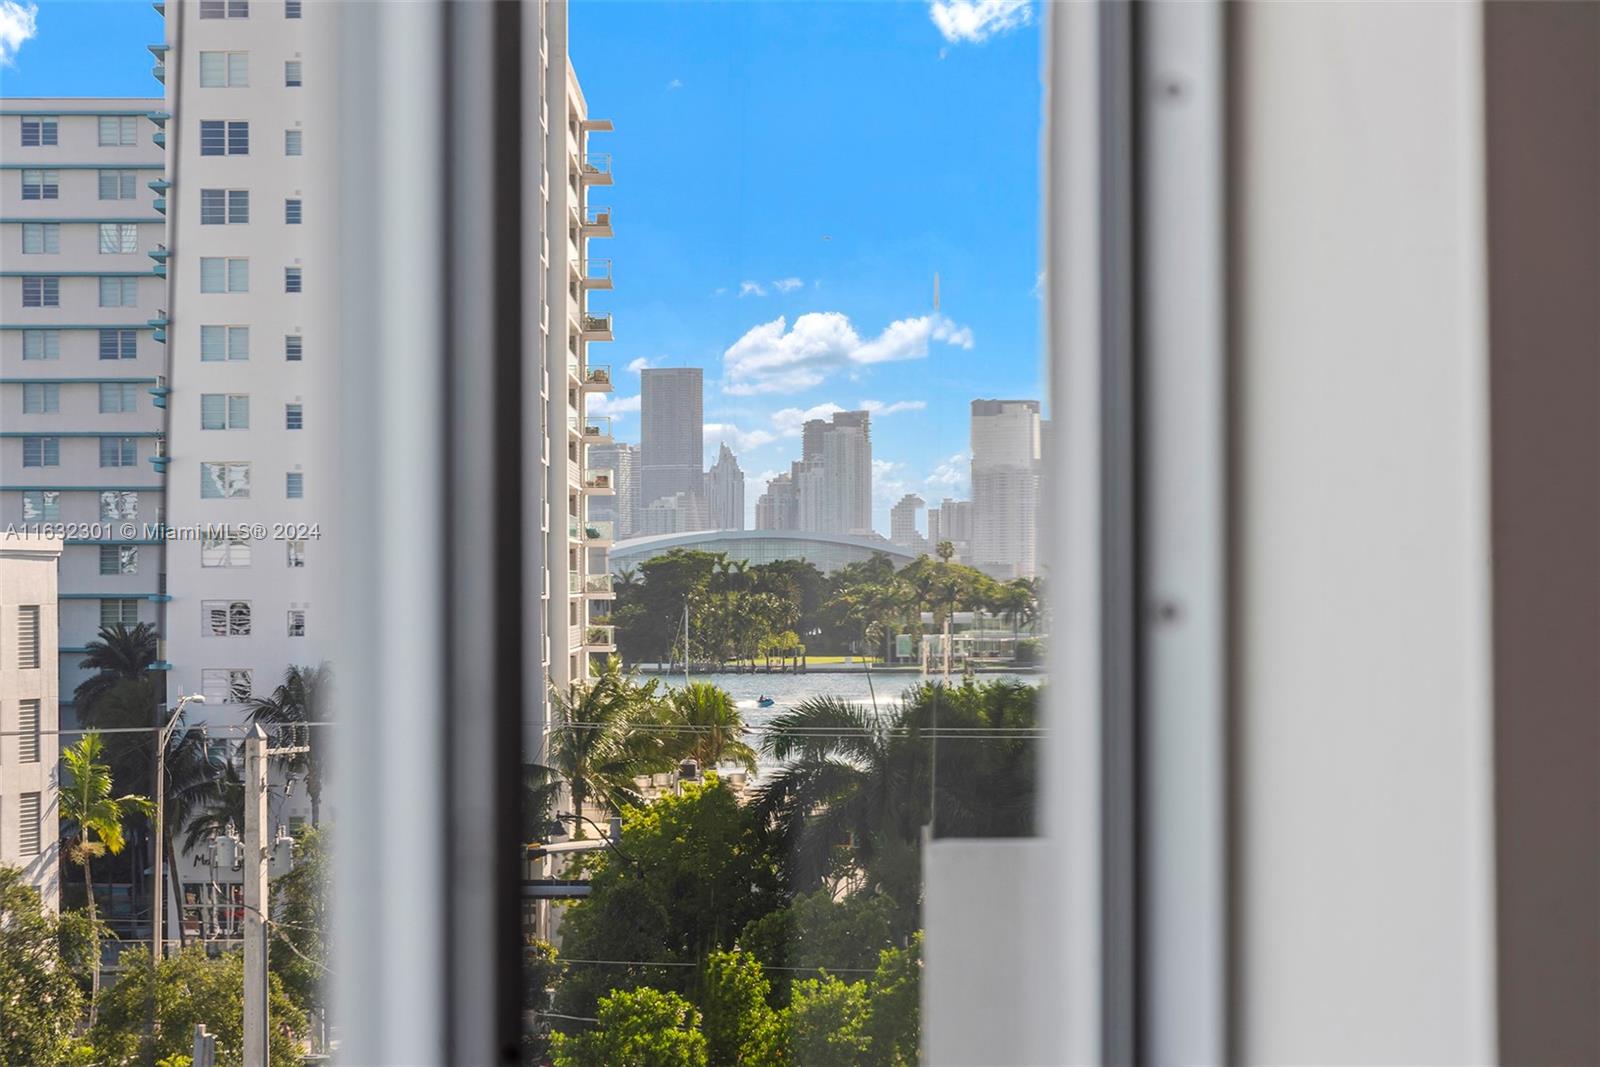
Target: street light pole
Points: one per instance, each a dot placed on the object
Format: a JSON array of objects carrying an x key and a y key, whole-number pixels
[{"x": 158, "y": 903}]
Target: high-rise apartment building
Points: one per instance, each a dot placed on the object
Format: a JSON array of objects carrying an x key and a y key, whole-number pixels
[
  {"x": 622, "y": 508},
  {"x": 778, "y": 507},
  {"x": 672, "y": 427},
  {"x": 725, "y": 491},
  {"x": 82, "y": 353},
  {"x": 29, "y": 744},
  {"x": 1005, "y": 487},
  {"x": 903, "y": 522},
  {"x": 951, "y": 521},
  {"x": 833, "y": 480}
]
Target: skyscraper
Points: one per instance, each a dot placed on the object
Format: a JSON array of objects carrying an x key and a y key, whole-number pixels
[
  {"x": 1005, "y": 487},
  {"x": 622, "y": 460},
  {"x": 777, "y": 508},
  {"x": 671, "y": 432},
  {"x": 725, "y": 491},
  {"x": 903, "y": 522},
  {"x": 833, "y": 480}
]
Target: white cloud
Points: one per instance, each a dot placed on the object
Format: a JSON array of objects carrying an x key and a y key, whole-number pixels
[
  {"x": 639, "y": 364},
  {"x": 765, "y": 476},
  {"x": 773, "y": 358},
  {"x": 879, "y": 408},
  {"x": 675, "y": 83},
  {"x": 18, "y": 23},
  {"x": 788, "y": 421},
  {"x": 739, "y": 440},
  {"x": 788, "y": 285},
  {"x": 608, "y": 404},
  {"x": 751, "y": 289},
  {"x": 719, "y": 290},
  {"x": 978, "y": 20},
  {"x": 951, "y": 474}
]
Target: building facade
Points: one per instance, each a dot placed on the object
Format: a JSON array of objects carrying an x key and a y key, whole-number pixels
[
  {"x": 81, "y": 353},
  {"x": 671, "y": 432},
  {"x": 29, "y": 744},
  {"x": 903, "y": 523},
  {"x": 828, "y": 551},
  {"x": 778, "y": 507},
  {"x": 1005, "y": 487},
  {"x": 622, "y": 507},
  {"x": 725, "y": 491},
  {"x": 952, "y": 521},
  {"x": 833, "y": 480}
]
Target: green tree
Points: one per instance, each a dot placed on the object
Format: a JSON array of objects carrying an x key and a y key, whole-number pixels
[
  {"x": 894, "y": 1017},
  {"x": 740, "y": 1026},
  {"x": 298, "y": 951},
  {"x": 593, "y": 744},
  {"x": 690, "y": 872},
  {"x": 120, "y": 654},
  {"x": 93, "y": 821},
  {"x": 825, "y": 1024},
  {"x": 40, "y": 995},
  {"x": 816, "y": 933},
  {"x": 191, "y": 987},
  {"x": 711, "y": 728},
  {"x": 304, "y": 696},
  {"x": 637, "y": 1028}
]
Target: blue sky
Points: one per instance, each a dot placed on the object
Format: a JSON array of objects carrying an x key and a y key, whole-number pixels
[{"x": 790, "y": 176}]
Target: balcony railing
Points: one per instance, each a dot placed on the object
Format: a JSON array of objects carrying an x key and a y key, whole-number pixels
[
  {"x": 574, "y": 583},
  {"x": 601, "y": 636},
  {"x": 596, "y": 168},
  {"x": 598, "y": 377},
  {"x": 597, "y": 222},
  {"x": 597, "y": 583},
  {"x": 598, "y": 530},
  {"x": 590, "y": 426},
  {"x": 597, "y": 480},
  {"x": 597, "y": 323},
  {"x": 595, "y": 273}
]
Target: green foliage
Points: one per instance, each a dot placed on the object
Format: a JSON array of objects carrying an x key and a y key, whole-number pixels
[
  {"x": 825, "y": 1024},
  {"x": 817, "y": 933},
  {"x": 637, "y": 1028},
  {"x": 700, "y": 871},
  {"x": 894, "y": 1021},
  {"x": 594, "y": 747},
  {"x": 740, "y": 1026},
  {"x": 298, "y": 952},
  {"x": 119, "y": 654},
  {"x": 191, "y": 988},
  {"x": 713, "y": 727},
  {"x": 304, "y": 696},
  {"x": 40, "y": 995}
]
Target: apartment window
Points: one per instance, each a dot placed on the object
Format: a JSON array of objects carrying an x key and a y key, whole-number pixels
[
  {"x": 41, "y": 344},
  {"x": 118, "y": 397},
  {"x": 297, "y": 553},
  {"x": 123, "y": 611},
  {"x": 41, "y": 238},
  {"x": 224, "y": 411},
  {"x": 220, "y": 344},
  {"x": 28, "y": 731},
  {"x": 291, "y": 74},
  {"x": 41, "y": 451},
  {"x": 292, "y": 143},
  {"x": 219, "y": 275},
  {"x": 224, "y": 550},
  {"x": 291, "y": 212},
  {"x": 292, "y": 279},
  {"x": 119, "y": 452},
  {"x": 295, "y": 485},
  {"x": 293, "y": 347},
  {"x": 119, "y": 559},
  {"x": 118, "y": 238},
  {"x": 30, "y": 832},
  {"x": 224, "y": 137},
  {"x": 119, "y": 130},
  {"x": 41, "y": 398},
  {"x": 294, "y": 417},
  {"x": 119, "y": 292},
  {"x": 117, "y": 505},
  {"x": 41, "y": 505},
  {"x": 226, "y": 618},
  {"x": 41, "y": 292},
  {"x": 119, "y": 184},
  {"x": 41, "y": 185},
  {"x": 224, "y": 9},
  {"x": 224, "y": 70},
  {"x": 39, "y": 131},
  {"x": 226, "y": 685},
  {"x": 119, "y": 344},
  {"x": 224, "y": 206},
  {"x": 291, "y": 9},
  {"x": 221, "y": 481},
  {"x": 297, "y": 622},
  {"x": 28, "y": 637}
]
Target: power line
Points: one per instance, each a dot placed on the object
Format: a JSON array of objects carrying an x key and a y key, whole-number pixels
[{"x": 684, "y": 963}]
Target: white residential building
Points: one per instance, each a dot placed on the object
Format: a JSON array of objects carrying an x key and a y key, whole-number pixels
[
  {"x": 1005, "y": 487},
  {"x": 833, "y": 480},
  {"x": 29, "y": 744},
  {"x": 725, "y": 491},
  {"x": 903, "y": 523},
  {"x": 622, "y": 508},
  {"x": 81, "y": 352}
]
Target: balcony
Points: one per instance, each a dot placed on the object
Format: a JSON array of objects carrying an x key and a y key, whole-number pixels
[
  {"x": 595, "y": 125},
  {"x": 597, "y": 379},
  {"x": 596, "y": 327},
  {"x": 595, "y": 273},
  {"x": 160, "y": 138},
  {"x": 598, "y": 531},
  {"x": 598, "y": 483},
  {"x": 595, "y": 168},
  {"x": 159, "y": 73},
  {"x": 601, "y": 638},
  {"x": 591, "y": 430},
  {"x": 598, "y": 585},
  {"x": 596, "y": 222}
]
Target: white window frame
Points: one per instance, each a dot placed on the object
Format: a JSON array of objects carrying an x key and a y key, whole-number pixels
[
  {"x": 235, "y": 411},
  {"x": 227, "y": 550},
  {"x": 235, "y": 70},
  {"x": 119, "y": 238},
  {"x": 119, "y": 505},
  {"x": 46, "y": 131},
  {"x": 41, "y": 238},
  {"x": 227, "y": 685},
  {"x": 41, "y": 345},
  {"x": 124, "y": 131},
  {"x": 231, "y": 478},
  {"x": 226, "y": 618}
]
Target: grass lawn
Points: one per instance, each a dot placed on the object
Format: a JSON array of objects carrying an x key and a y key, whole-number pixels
[{"x": 822, "y": 660}]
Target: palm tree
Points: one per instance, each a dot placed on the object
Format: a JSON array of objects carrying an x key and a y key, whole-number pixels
[
  {"x": 303, "y": 697},
  {"x": 121, "y": 654},
  {"x": 710, "y": 725},
  {"x": 223, "y": 810},
  {"x": 95, "y": 818},
  {"x": 594, "y": 747},
  {"x": 946, "y": 551}
]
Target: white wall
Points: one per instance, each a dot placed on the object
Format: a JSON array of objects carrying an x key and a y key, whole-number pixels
[{"x": 1364, "y": 881}]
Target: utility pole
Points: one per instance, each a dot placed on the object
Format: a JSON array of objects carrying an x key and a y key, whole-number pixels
[{"x": 255, "y": 899}]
